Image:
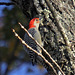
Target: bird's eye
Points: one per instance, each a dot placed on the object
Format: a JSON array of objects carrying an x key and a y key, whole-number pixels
[{"x": 37, "y": 20}]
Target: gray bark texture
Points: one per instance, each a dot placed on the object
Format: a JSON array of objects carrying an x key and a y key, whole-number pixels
[{"x": 57, "y": 28}]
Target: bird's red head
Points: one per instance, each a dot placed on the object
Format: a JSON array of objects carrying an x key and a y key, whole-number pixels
[{"x": 33, "y": 22}]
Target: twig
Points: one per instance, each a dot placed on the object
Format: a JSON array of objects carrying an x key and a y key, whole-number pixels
[
  {"x": 7, "y": 4},
  {"x": 42, "y": 48},
  {"x": 39, "y": 54}
]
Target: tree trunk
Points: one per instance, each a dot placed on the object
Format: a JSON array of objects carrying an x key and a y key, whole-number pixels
[{"x": 57, "y": 28}]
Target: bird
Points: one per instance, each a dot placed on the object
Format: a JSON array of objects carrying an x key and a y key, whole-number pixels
[{"x": 34, "y": 31}]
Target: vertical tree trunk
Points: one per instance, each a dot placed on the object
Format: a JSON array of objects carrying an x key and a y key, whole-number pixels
[{"x": 57, "y": 28}]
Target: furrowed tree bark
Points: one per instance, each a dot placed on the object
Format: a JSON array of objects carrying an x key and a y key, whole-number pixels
[{"x": 57, "y": 28}]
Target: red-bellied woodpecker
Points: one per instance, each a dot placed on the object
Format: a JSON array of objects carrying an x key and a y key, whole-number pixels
[{"x": 33, "y": 30}]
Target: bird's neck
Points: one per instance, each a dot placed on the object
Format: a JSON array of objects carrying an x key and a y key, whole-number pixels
[{"x": 31, "y": 26}]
